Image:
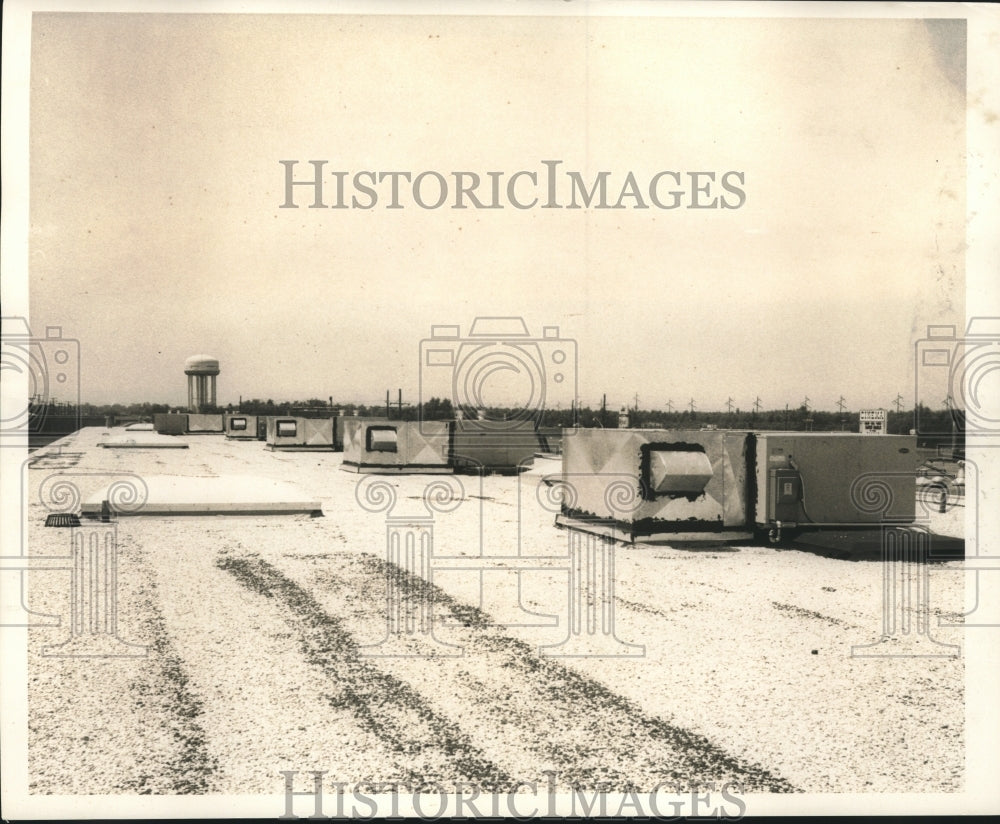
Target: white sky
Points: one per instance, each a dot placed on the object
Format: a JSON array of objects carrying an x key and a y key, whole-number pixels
[{"x": 155, "y": 184}]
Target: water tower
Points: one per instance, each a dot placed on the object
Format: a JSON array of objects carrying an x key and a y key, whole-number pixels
[{"x": 201, "y": 371}]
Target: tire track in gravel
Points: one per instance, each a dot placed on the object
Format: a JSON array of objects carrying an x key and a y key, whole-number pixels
[
  {"x": 581, "y": 725},
  {"x": 164, "y": 689},
  {"x": 388, "y": 707},
  {"x": 593, "y": 737},
  {"x": 801, "y": 612}
]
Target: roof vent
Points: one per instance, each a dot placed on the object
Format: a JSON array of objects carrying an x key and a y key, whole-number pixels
[{"x": 62, "y": 519}]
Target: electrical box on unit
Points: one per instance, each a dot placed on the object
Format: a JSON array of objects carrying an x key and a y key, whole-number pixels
[
  {"x": 835, "y": 479},
  {"x": 784, "y": 494}
]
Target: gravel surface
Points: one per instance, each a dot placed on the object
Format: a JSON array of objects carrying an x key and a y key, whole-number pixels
[{"x": 258, "y": 633}]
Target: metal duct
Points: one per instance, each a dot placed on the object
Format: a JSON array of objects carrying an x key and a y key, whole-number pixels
[{"x": 679, "y": 472}]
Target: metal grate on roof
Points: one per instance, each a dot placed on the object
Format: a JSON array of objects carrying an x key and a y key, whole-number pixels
[{"x": 62, "y": 519}]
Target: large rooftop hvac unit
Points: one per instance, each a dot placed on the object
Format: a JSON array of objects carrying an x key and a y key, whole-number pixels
[
  {"x": 291, "y": 434},
  {"x": 241, "y": 427},
  {"x": 170, "y": 423},
  {"x": 202, "y": 424},
  {"x": 722, "y": 484},
  {"x": 396, "y": 447},
  {"x": 493, "y": 446}
]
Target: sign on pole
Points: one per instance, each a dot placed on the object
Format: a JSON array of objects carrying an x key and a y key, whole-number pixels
[{"x": 873, "y": 422}]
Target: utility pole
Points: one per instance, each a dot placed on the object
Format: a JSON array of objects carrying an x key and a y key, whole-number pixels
[
  {"x": 756, "y": 404},
  {"x": 899, "y": 403},
  {"x": 841, "y": 404},
  {"x": 670, "y": 406},
  {"x": 636, "y": 407},
  {"x": 729, "y": 405},
  {"x": 604, "y": 408},
  {"x": 401, "y": 404}
]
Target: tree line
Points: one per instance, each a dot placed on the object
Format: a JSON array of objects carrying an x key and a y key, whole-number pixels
[{"x": 802, "y": 419}]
